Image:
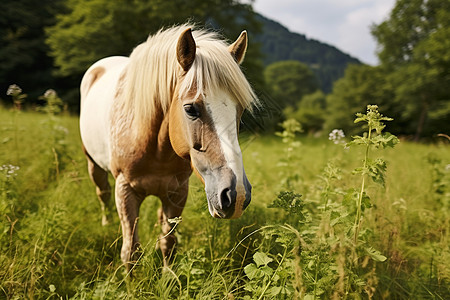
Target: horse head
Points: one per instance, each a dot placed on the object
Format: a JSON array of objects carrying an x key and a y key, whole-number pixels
[{"x": 204, "y": 121}]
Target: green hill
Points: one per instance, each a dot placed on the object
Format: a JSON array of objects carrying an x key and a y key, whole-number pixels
[{"x": 278, "y": 43}]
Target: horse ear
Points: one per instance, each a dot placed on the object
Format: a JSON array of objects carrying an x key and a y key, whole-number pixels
[
  {"x": 239, "y": 47},
  {"x": 186, "y": 49}
]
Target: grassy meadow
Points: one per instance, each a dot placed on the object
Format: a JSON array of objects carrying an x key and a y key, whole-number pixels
[{"x": 310, "y": 232}]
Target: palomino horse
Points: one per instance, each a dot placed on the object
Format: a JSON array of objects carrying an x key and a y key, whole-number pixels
[{"x": 172, "y": 107}]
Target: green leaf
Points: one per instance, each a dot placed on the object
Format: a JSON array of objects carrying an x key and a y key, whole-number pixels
[
  {"x": 358, "y": 140},
  {"x": 274, "y": 291},
  {"x": 268, "y": 271},
  {"x": 277, "y": 290},
  {"x": 376, "y": 169},
  {"x": 261, "y": 259},
  {"x": 350, "y": 199},
  {"x": 252, "y": 271},
  {"x": 375, "y": 254},
  {"x": 385, "y": 140},
  {"x": 360, "y": 118},
  {"x": 337, "y": 218},
  {"x": 365, "y": 202}
]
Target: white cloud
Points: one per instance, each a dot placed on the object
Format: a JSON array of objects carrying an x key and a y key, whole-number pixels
[{"x": 344, "y": 24}]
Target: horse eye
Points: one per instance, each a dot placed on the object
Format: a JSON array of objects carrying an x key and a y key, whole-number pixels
[{"x": 191, "y": 111}]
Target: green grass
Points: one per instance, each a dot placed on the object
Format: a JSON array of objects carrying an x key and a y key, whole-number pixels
[{"x": 53, "y": 246}]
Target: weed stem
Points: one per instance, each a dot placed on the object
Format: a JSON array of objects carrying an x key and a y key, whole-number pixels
[{"x": 361, "y": 193}]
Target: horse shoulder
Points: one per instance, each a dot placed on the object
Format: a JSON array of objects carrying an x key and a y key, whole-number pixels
[{"x": 147, "y": 160}]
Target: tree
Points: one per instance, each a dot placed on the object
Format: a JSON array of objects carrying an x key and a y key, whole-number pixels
[
  {"x": 288, "y": 81},
  {"x": 360, "y": 86},
  {"x": 310, "y": 112},
  {"x": 23, "y": 53},
  {"x": 413, "y": 50}
]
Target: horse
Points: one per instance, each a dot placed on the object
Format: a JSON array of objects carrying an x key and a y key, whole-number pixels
[{"x": 171, "y": 108}]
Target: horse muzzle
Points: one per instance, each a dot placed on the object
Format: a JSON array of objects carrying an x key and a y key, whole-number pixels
[{"x": 227, "y": 194}]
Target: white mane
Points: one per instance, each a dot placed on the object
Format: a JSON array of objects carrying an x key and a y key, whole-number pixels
[{"x": 153, "y": 74}]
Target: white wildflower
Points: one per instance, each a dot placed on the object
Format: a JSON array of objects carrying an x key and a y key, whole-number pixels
[
  {"x": 337, "y": 136},
  {"x": 50, "y": 93},
  {"x": 9, "y": 170},
  {"x": 13, "y": 90}
]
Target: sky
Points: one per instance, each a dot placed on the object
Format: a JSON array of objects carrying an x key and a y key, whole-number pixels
[{"x": 344, "y": 24}]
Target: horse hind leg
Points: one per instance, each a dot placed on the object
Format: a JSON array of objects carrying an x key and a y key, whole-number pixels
[{"x": 100, "y": 178}]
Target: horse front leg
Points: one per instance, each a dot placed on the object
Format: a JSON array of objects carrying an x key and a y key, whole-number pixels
[
  {"x": 172, "y": 207},
  {"x": 128, "y": 202}
]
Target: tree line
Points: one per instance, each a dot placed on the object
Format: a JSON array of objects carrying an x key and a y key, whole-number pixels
[
  {"x": 411, "y": 82},
  {"x": 52, "y": 42}
]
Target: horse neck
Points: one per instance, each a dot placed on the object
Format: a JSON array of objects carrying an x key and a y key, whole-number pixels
[
  {"x": 155, "y": 135},
  {"x": 161, "y": 140},
  {"x": 139, "y": 137}
]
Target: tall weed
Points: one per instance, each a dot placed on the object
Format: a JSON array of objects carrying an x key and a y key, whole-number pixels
[{"x": 327, "y": 253}]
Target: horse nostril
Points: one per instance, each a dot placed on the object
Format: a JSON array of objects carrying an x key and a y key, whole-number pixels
[
  {"x": 197, "y": 146},
  {"x": 226, "y": 198}
]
